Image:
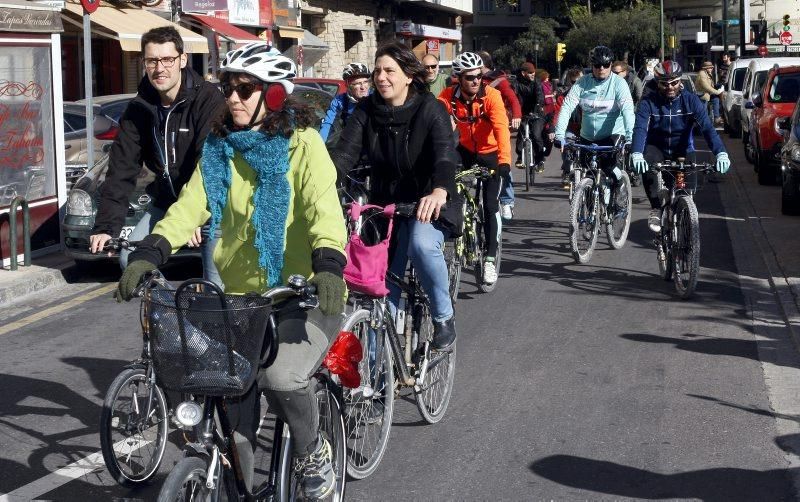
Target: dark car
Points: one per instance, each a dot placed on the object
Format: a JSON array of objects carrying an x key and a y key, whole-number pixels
[
  {"x": 332, "y": 86},
  {"x": 81, "y": 206},
  {"x": 790, "y": 162}
]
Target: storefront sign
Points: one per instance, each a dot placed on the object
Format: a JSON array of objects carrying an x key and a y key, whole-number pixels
[
  {"x": 244, "y": 12},
  {"x": 433, "y": 45},
  {"x": 687, "y": 29},
  {"x": 427, "y": 31},
  {"x": 203, "y": 5},
  {"x": 30, "y": 21}
]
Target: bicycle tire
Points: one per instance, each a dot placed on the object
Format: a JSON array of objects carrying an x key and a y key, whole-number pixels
[
  {"x": 454, "y": 264},
  {"x": 527, "y": 161},
  {"x": 665, "y": 258},
  {"x": 582, "y": 218},
  {"x": 488, "y": 288},
  {"x": 122, "y": 460},
  {"x": 366, "y": 444},
  {"x": 686, "y": 250},
  {"x": 618, "y": 234},
  {"x": 477, "y": 265},
  {"x": 189, "y": 473},
  {"x": 432, "y": 395}
]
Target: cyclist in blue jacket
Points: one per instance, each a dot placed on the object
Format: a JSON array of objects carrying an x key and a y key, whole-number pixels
[
  {"x": 663, "y": 131},
  {"x": 359, "y": 85}
]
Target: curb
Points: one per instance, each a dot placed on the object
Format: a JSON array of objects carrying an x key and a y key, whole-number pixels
[{"x": 48, "y": 271}]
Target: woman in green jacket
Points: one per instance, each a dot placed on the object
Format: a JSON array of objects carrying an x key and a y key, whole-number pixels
[{"x": 266, "y": 180}]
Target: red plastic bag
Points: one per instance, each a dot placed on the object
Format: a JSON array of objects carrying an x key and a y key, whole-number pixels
[{"x": 343, "y": 358}]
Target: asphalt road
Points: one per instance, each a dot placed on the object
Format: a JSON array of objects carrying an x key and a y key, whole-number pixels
[{"x": 574, "y": 382}]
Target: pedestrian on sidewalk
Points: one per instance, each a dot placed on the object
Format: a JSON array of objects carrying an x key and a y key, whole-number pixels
[
  {"x": 705, "y": 84},
  {"x": 164, "y": 128}
]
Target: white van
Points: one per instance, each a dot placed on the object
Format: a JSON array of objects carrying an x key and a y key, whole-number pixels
[
  {"x": 732, "y": 103},
  {"x": 754, "y": 79}
]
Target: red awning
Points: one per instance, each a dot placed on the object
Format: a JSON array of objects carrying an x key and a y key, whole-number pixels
[{"x": 223, "y": 28}]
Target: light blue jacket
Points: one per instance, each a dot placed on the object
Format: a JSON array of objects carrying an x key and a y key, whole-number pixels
[{"x": 607, "y": 108}]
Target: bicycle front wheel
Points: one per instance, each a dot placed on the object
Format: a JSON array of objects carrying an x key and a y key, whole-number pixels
[
  {"x": 368, "y": 409},
  {"x": 433, "y": 390},
  {"x": 583, "y": 221},
  {"x": 186, "y": 482},
  {"x": 133, "y": 441},
  {"x": 619, "y": 213},
  {"x": 686, "y": 247}
]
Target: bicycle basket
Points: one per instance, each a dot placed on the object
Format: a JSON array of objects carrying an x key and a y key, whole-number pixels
[{"x": 206, "y": 343}]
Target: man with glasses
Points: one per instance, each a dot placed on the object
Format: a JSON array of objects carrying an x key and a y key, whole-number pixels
[
  {"x": 164, "y": 128},
  {"x": 635, "y": 85},
  {"x": 435, "y": 80},
  {"x": 359, "y": 85},
  {"x": 605, "y": 100},
  {"x": 663, "y": 131}
]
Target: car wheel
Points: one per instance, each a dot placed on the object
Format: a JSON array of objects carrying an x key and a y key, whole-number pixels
[
  {"x": 790, "y": 196},
  {"x": 748, "y": 152}
]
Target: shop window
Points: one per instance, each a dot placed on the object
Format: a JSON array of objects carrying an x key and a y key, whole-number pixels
[
  {"x": 351, "y": 39},
  {"x": 485, "y": 6}
]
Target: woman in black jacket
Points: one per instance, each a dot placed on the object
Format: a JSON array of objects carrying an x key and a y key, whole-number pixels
[{"x": 405, "y": 134}]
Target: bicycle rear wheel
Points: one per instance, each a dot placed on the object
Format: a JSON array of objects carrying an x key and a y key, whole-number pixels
[
  {"x": 133, "y": 444},
  {"x": 583, "y": 224},
  {"x": 454, "y": 263},
  {"x": 187, "y": 482},
  {"x": 432, "y": 393},
  {"x": 368, "y": 409},
  {"x": 686, "y": 248},
  {"x": 527, "y": 161},
  {"x": 477, "y": 248},
  {"x": 619, "y": 219}
]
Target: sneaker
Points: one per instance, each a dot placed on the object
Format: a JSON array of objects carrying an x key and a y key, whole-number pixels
[
  {"x": 315, "y": 472},
  {"x": 489, "y": 273},
  {"x": 540, "y": 166},
  {"x": 519, "y": 165},
  {"x": 444, "y": 334},
  {"x": 565, "y": 181},
  {"x": 507, "y": 211},
  {"x": 654, "y": 220}
]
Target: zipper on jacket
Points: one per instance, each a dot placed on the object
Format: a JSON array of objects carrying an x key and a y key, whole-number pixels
[{"x": 165, "y": 174}]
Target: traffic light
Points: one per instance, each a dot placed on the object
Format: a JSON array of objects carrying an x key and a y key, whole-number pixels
[
  {"x": 561, "y": 49},
  {"x": 786, "y": 26}
]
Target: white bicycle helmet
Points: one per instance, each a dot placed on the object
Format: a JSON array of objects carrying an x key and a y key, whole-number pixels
[
  {"x": 356, "y": 70},
  {"x": 262, "y": 61},
  {"x": 466, "y": 61}
]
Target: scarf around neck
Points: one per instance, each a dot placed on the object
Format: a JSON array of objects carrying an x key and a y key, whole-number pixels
[{"x": 268, "y": 156}]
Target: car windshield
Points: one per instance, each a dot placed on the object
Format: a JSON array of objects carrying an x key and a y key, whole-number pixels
[
  {"x": 738, "y": 79},
  {"x": 785, "y": 88}
]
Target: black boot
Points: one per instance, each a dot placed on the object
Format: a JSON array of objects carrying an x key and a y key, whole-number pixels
[{"x": 444, "y": 334}]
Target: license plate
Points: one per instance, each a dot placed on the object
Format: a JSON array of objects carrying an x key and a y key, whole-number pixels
[{"x": 126, "y": 232}]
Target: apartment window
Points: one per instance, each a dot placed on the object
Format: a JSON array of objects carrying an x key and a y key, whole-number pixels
[
  {"x": 486, "y": 6},
  {"x": 351, "y": 39}
]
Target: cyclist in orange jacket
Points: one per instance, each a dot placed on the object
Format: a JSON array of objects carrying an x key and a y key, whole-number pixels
[{"x": 480, "y": 116}]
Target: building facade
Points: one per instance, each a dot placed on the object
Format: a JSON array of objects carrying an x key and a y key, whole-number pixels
[{"x": 494, "y": 26}]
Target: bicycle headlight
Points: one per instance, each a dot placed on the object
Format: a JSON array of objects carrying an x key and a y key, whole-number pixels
[
  {"x": 79, "y": 203},
  {"x": 189, "y": 413}
]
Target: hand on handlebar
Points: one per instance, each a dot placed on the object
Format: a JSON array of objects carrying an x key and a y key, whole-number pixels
[
  {"x": 131, "y": 278},
  {"x": 723, "y": 163},
  {"x": 429, "y": 206},
  {"x": 331, "y": 292},
  {"x": 97, "y": 242},
  {"x": 559, "y": 143},
  {"x": 515, "y": 123},
  {"x": 639, "y": 164}
]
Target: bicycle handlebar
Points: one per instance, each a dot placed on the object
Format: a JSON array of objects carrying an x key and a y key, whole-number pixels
[
  {"x": 592, "y": 147},
  {"x": 119, "y": 243},
  {"x": 670, "y": 165},
  {"x": 480, "y": 172}
]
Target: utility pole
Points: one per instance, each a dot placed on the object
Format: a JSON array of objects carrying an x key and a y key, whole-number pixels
[
  {"x": 744, "y": 25},
  {"x": 725, "y": 25},
  {"x": 661, "y": 27}
]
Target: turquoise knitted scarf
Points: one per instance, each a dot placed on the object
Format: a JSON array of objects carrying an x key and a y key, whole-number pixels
[{"x": 268, "y": 156}]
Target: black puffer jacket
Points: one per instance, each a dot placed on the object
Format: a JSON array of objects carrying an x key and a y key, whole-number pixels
[
  {"x": 530, "y": 94},
  {"x": 409, "y": 147},
  {"x": 174, "y": 150}
]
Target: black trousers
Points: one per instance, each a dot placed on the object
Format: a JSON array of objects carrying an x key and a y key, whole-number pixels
[
  {"x": 654, "y": 155},
  {"x": 490, "y": 191},
  {"x": 536, "y": 126},
  {"x": 606, "y": 161}
]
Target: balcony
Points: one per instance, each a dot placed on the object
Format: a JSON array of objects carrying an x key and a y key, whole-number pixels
[{"x": 461, "y": 7}]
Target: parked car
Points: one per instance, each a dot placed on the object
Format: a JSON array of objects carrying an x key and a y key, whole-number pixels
[
  {"x": 82, "y": 200},
  {"x": 775, "y": 101},
  {"x": 732, "y": 102},
  {"x": 110, "y": 105},
  {"x": 332, "y": 86},
  {"x": 754, "y": 80},
  {"x": 790, "y": 162},
  {"x": 75, "y": 144}
]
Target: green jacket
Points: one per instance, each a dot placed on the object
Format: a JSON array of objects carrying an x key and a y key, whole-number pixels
[
  {"x": 315, "y": 219},
  {"x": 437, "y": 85}
]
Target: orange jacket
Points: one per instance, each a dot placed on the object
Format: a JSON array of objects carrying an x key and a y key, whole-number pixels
[{"x": 487, "y": 132}]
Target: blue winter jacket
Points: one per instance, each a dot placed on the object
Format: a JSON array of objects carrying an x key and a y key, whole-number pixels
[
  {"x": 342, "y": 106},
  {"x": 667, "y": 124}
]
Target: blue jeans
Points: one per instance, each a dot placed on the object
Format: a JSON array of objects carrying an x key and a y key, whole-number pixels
[
  {"x": 715, "y": 105},
  {"x": 507, "y": 195},
  {"x": 145, "y": 228},
  {"x": 423, "y": 244}
]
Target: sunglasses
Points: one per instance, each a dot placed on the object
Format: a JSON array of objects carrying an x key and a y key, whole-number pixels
[
  {"x": 607, "y": 65},
  {"x": 672, "y": 83},
  {"x": 617, "y": 72},
  {"x": 471, "y": 78},
  {"x": 243, "y": 89},
  {"x": 431, "y": 66}
]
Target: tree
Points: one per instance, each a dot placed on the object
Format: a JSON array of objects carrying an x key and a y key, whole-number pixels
[{"x": 541, "y": 31}]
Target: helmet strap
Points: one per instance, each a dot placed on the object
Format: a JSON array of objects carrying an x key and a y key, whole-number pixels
[{"x": 253, "y": 121}]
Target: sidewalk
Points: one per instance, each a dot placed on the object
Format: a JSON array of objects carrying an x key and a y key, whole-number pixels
[{"x": 44, "y": 273}]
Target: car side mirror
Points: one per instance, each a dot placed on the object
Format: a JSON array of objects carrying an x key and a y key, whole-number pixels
[
  {"x": 757, "y": 101},
  {"x": 749, "y": 105}
]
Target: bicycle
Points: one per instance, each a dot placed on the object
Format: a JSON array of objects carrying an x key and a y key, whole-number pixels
[
  {"x": 528, "y": 159},
  {"x": 678, "y": 242},
  {"x": 211, "y": 345},
  {"x": 586, "y": 210}
]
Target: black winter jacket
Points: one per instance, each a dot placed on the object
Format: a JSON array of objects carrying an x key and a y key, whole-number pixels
[
  {"x": 530, "y": 94},
  {"x": 409, "y": 147},
  {"x": 175, "y": 150}
]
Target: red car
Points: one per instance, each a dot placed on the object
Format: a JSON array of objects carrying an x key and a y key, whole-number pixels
[
  {"x": 333, "y": 86},
  {"x": 775, "y": 100}
]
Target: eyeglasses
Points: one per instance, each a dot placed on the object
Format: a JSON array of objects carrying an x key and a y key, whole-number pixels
[
  {"x": 471, "y": 78},
  {"x": 617, "y": 72},
  {"x": 431, "y": 66},
  {"x": 606, "y": 65},
  {"x": 363, "y": 83},
  {"x": 243, "y": 89},
  {"x": 671, "y": 83},
  {"x": 167, "y": 62}
]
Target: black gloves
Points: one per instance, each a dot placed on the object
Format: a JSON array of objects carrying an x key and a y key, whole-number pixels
[
  {"x": 330, "y": 291},
  {"x": 131, "y": 278}
]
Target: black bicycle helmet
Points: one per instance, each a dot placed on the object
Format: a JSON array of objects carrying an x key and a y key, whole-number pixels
[
  {"x": 668, "y": 70},
  {"x": 601, "y": 55}
]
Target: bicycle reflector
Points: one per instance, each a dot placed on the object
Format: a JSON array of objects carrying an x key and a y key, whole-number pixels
[
  {"x": 680, "y": 180},
  {"x": 189, "y": 413}
]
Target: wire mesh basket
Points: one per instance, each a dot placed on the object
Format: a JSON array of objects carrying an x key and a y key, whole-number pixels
[{"x": 206, "y": 343}]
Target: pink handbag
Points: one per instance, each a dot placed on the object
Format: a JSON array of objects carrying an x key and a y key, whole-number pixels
[{"x": 366, "y": 267}]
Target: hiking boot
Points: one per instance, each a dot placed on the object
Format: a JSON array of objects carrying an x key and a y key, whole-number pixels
[
  {"x": 654, "y": 220},
  {"x": 507, "y": 211},
  {"x": 489, "y": 273},
  {"x": 444, "y": 334},
  {"x": 315, "y": 472}
]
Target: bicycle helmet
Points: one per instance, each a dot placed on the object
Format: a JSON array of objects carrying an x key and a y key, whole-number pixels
[
  {"x": 262, "y": 61},
  {"x": 668, "y": 70},
  {"x": 356, "y": 70},
  {"x": 466, "y": 61},
  {"x": 601, "y": 55}
]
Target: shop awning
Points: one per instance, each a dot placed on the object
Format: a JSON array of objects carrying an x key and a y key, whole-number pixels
[
  {"x": 128, "y": 25},
  {"x": 222, "y": 28},
  {"x": 290, "y": 32}
]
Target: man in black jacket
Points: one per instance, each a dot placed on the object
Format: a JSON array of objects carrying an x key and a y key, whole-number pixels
[
  {"x": 164, "y": 127},
  {"x": 531, "y": 98}
]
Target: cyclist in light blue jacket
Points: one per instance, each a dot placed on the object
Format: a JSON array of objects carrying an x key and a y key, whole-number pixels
[{"x": 359, "y": 85}]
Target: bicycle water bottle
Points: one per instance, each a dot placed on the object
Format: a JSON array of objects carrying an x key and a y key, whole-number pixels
[{"x": 606, "y": 191}]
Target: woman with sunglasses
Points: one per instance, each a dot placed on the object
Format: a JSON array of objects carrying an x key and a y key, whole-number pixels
[
  {"x": 266, "y": 180},
  {"x": 663, "y": 131},
  {"x": 607, "y": 106}
]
